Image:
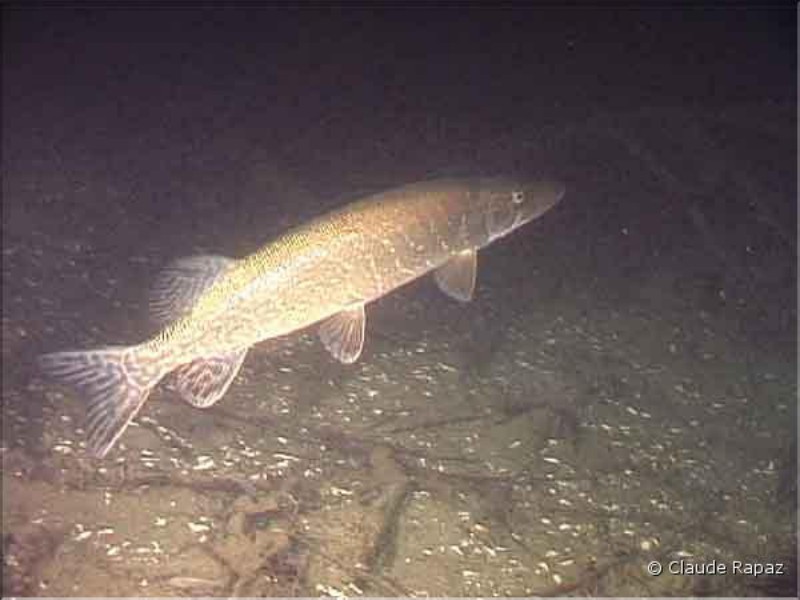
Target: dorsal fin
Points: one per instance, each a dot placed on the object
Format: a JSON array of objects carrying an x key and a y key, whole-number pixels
[{"x": 181, "y": 283}]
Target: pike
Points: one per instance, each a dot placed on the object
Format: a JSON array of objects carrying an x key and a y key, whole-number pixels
[{"x": 213, "y": 308}]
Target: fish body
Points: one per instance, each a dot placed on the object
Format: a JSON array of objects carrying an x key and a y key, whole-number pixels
[{"x": 215, "y": 308}]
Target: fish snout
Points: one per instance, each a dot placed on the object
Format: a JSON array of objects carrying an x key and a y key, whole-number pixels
[{"x": 540, "y": 197}]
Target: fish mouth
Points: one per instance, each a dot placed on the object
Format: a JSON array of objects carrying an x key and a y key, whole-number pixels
[{"x": 552, "y": 190}]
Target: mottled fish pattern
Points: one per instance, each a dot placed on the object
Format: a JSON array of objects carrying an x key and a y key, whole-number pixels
[{"x": 213, "y": 308}]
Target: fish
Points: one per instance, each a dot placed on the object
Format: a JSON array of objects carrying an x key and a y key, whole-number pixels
[{"x": 212, "y": 309}]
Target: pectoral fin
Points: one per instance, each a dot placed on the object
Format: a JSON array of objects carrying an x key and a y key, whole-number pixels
[
  {"x": 204, "y": 381},
  {"x": 343, "y": 334},
  {"x": 456, "y": 277}
]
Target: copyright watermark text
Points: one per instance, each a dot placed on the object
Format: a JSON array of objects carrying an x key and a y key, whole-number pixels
[{"x": 715, "y": 567}]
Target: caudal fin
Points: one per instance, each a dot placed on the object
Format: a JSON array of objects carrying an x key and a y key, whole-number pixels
[{"x": 116, "y": 381}]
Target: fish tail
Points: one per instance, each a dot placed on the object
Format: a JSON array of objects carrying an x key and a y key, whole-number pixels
[{"x": 116, "y": 381}]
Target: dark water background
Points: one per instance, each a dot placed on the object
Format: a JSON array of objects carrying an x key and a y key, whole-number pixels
[
  {"x": 155, "y": 133},
  {"x": 134, "y": 136}
]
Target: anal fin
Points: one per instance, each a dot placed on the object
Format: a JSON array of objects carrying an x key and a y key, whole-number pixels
[
  {"x": 343, "y": 334},
  {"x": 456, "y": 277},
  {"x": 204, "y": 381}
]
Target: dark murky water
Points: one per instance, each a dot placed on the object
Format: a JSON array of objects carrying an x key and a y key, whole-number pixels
[{"x": 622, "y": 389}]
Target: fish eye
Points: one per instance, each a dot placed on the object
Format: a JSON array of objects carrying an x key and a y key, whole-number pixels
[{"x": 517, "y": 197}]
